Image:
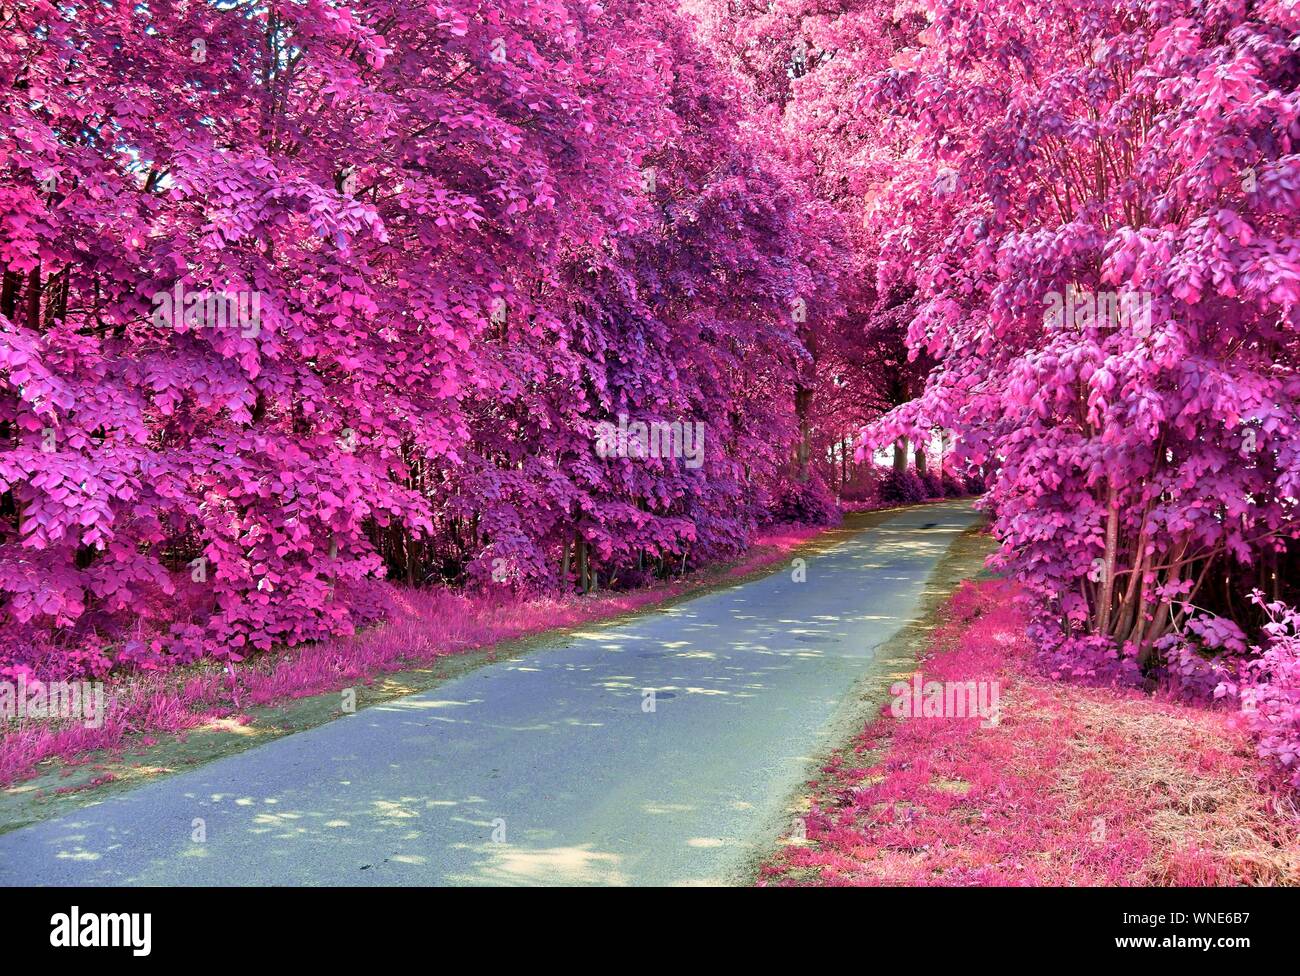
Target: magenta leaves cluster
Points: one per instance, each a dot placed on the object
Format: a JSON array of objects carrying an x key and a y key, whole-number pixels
[{"x": 299, "y": 295}]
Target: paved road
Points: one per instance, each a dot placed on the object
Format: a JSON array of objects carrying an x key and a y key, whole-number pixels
[{"x": 553, "y": 750}]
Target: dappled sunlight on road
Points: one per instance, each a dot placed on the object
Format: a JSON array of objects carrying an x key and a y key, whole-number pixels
[
  {"x": 548, "y": 866},
  {"x": 636, "y": 753}
]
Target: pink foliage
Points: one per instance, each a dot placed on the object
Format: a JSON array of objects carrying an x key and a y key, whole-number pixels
[
  {"x": 1096, "y": 229},
  {"x": 296, "y": 298},
  {"x": 461, "y": 236},
  {"x": 1266, "y": 686}
]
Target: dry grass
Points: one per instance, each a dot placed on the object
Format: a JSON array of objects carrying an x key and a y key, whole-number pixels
[
  {"x": 1194, "y": 778},
  {"x": 1074, "y": 785}
]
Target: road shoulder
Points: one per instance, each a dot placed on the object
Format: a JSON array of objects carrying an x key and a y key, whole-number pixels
[{"x": 895, "y": 660}]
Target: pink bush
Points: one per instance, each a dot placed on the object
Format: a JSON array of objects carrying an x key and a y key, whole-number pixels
[
  {"x": 1265, "y": 684},
  {"x": 902, "y": 488}
]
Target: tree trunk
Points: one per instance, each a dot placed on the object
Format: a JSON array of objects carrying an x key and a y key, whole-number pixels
[
  {"x": 34, "y": 299},
  {"x": 408, "y": 547},
  {"x": 900, "y": 455},
  {"x": 9, "y": 294},
  {"x": 803, "y": 409},
  {"x": 1108, "y": 580}
]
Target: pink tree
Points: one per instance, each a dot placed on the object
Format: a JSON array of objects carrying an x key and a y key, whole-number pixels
[
  {"x": 1099, "y": 219},
  {"x": 297, "y": 293},
  {"x": 806, "y": 62}
]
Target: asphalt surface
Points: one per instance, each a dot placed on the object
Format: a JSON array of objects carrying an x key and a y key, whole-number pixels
[{"x": 550, "y": 768}]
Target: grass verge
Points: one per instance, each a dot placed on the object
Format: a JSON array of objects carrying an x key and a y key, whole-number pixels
[{"x": 1072, "y": 785}]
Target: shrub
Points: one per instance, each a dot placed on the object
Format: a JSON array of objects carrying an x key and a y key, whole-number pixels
[
  {"x": 902, "y": 488},
  {"x": 810, "y": 503},
  {"x": 953, "y": 487}
]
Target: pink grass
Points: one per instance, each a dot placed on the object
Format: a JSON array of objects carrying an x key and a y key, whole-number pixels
[{"x": 1074, "y": 785}]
